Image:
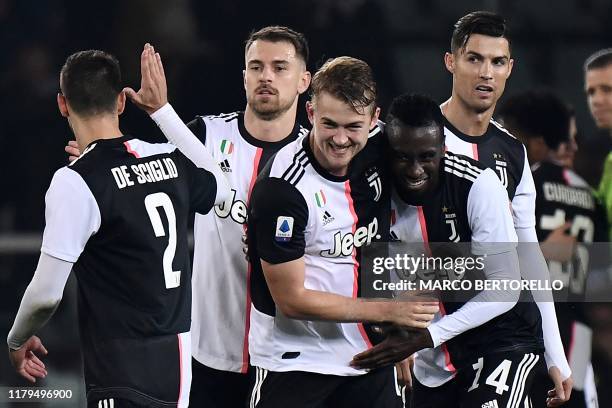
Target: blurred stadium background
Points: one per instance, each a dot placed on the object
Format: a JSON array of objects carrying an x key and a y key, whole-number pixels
[{"x": 201, "y": 44}]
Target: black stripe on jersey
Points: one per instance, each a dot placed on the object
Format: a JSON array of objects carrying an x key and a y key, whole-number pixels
[
  {"x": 459, "y": 173},
  {"x": 500, "y": 127},
  {"x": 230, "y": 115},
  {"x": 230, "y": 118},
  {"x": 198, "y": 128},
  {"x": 462, "y": 166},
  {"x": 296, "y": 170}
]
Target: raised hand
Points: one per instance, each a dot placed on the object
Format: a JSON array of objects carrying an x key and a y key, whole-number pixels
[{"x": 153, "y": 92}]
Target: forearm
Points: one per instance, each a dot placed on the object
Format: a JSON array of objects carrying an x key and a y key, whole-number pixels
[
  {"x": 40, "y": 299},
  {"x": 486, "y": 305},
  {"x": 179, "y": 135},
  {"x": 534, "y": 267},
  {"x": 307, "y": 304}
]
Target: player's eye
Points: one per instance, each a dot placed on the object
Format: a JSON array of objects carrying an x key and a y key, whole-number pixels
[{"x": 499, "y": 62}]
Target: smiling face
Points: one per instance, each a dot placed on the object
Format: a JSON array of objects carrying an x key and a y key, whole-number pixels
[
  {"x": 480, "y": 70},
  {"x": 274, "y": 78},
  {"x": 338, "y": 131},
  {"x": 416, "y": 153},
  {"x": 598, "y": 86}
]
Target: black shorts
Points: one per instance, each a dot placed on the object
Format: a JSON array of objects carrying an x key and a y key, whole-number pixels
[
  {"x": 444, "y": 396},
  {"x": 213, "y": 388},
  {"x": 491, "y": 381},
  {"x": 115, "y": 403},
  {"x": 298, "y": 389}
]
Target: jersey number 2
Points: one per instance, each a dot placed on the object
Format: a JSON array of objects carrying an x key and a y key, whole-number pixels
[{"x": 152, "y": 203}]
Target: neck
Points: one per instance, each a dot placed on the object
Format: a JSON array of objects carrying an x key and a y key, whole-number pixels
[
  {"x": 466, "y": 120},
  {"x": 86, "y": 130},
  {"x": 270, "y": 130}
]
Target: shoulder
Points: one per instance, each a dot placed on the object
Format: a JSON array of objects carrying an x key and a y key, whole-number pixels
[
  {"x": 457, "y": 166},
  {"x": 507, "y": 138},
  {"x": 220, "y": 118},
  {"x": 290, "y": 162}
]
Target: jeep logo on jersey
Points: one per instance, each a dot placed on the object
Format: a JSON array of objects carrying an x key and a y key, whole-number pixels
[
  {"x": 374, "y": 182},
  {"x": 344, "y": 244},
  {"x": 235, "y": 209}
]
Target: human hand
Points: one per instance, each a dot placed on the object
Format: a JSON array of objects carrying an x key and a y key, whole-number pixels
[
  {"x": 73, "y": 150},
  {"x": 413, "y": 313},
  {"x": 404, "y": 374},
  {"x": 559, "y": 245},
  {"x": 562, "y": 391},
  {"x": 26, "y": 363},
  {"x": 153, "y": 92},
  {"x": 401, "y": 343}
]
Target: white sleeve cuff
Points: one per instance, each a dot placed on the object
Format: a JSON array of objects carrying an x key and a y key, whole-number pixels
[{"x": 179, "y": 135}]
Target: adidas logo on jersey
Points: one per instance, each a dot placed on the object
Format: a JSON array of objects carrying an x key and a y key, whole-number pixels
[
  {"x": 225, "y": 166},
  {"x": 344, "y": 244},
  {"x": 490, "y": 404},
  {"x": 327, "y": 218}
]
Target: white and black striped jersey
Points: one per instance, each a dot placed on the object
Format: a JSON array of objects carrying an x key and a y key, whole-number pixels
[
  {"x": 503, "y": 153},
  {"x": 465, "y": 209},
  {"x": 222, "y": 301},
  {"x": 300, "y": 210},
  {"x": 506, "y": 155},
  {"x": 120, "y": 213},
  {"x": 563, "y": 196}
]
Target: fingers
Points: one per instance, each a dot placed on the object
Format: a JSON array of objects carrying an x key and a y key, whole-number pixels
[
  {"x": 144, "y": 66},
  {"x": 73, "y": 150},
  {"x": 153, "y": 61},
  {"x": 427, "y": 307},
  {"x": 567, "y": 387},
  {"x": 35, "y": 370},
  {"x": 159, "y": 64},
  {"x": 27, "y": 376},
  {"x": 37, "y": 346},
  {"x": 132, "y": 95}
]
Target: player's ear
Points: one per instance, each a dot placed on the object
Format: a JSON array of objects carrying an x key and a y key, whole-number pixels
[
  {"x": 449, "y": 62},
  {"x": 510, "y": 65},
  {"x": 62, "y": 105},
  {"x": 120, "y": 102},
  {"x": 304, "y": 82},
  {"x": 244, "y": 78},
  {"x": 375, "y": 116},
  {"x": 310, "y": 112}
]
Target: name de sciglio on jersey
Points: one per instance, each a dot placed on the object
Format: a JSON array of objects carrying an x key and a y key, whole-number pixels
[{"x": 149, "y": 172}]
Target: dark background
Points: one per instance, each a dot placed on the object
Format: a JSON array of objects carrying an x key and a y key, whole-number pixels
[{"x": 202, "y": 46}]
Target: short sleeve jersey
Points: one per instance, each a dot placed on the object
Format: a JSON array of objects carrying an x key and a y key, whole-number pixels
[
  {"x": 467, "y": 209},
  {"x": 299, "y": 210},
  {"x": 120, "y": 213},
  {"x": 222, "y": 302}
]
